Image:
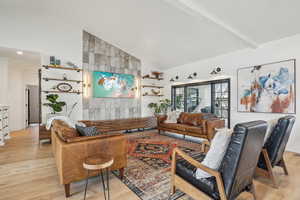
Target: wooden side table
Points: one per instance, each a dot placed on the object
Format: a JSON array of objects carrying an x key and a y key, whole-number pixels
[{"x": 101, "y": 163}]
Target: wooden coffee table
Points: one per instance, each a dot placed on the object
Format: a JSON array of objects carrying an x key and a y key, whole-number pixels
[{"x": 99, "y": 162}]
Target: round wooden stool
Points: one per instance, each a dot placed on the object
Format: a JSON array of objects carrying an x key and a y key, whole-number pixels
[{"x": 99, "y": 162}]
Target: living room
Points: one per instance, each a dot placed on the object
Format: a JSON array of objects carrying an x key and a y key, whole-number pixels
[{"x": 150, "y": 100}]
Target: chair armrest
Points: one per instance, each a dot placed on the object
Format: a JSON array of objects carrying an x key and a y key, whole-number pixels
[
  {"x": 197, "y": 164},
  {"x": 211, "y": 126},
  {"x": 161, "y": 118},
  {"x": 205, "y": 145},
  {"x": 194, "y": 162}
]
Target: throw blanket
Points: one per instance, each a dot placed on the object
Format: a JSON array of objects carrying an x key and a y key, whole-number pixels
[{"x": 67, "y": 120}]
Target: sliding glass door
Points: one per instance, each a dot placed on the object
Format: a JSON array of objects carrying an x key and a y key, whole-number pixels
[{"x": 206, "y": 97}]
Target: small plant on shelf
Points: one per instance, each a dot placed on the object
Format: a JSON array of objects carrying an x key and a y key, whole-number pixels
[
  {"x": 55, "y": 105},
  {"x": 161, "y": 107}
]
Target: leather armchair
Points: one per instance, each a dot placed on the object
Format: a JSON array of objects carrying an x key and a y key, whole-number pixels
[
  {"x": 272, "y": 152},
  {"x": 236, "y": 172}
]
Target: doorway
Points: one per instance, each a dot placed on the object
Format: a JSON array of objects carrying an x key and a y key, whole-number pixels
[{"x": 32, "y": 105}]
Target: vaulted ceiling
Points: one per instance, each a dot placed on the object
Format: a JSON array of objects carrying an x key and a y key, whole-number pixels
[{"x": 168, "y": 33}]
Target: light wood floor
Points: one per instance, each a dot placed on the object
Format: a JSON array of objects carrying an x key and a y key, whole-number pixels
[{"x": 27, "y": 171}]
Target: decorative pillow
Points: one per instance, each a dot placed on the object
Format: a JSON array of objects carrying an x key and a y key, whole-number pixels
[
  {"x": 271, "y": 125},
  {"x": 172, "y": 117},
  {"x": 88, "y": 131},
  {"x": 216, "y": 152}
]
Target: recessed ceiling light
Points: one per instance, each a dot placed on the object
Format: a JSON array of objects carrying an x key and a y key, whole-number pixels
[{"x": 20, "y": 52}]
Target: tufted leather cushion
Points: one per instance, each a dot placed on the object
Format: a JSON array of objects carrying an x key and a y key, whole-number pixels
[
  {"x": 64, "y": 131},
  {"x": 186, "y": 171},
  {"x": 183, "y": 127},
  {"x": 193, "y": 119},
  {"x": 240, "y": 160},
  {"x": 277, "y": 141}
]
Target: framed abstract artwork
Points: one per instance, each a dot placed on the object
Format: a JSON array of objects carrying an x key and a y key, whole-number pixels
[
  {"x": 267, "y": 88},
  {"x": 107, "y": 84}
]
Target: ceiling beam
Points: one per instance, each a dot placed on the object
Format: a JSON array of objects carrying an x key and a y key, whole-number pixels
[{"x": 189, "y": 7}]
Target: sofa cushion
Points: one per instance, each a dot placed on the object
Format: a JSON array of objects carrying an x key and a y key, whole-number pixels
[
  {"x": 182, "y": 127},
  {"x": 193, "y": 119},
  {"x": 64, "y": 131},
  {"x": 88, "y": 131},
  {"x": 187, "y": 171},
  {"x": 216, "y": 152}
]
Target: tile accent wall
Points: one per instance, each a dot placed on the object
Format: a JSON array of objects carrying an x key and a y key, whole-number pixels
[{"x": 99, "y": 55}]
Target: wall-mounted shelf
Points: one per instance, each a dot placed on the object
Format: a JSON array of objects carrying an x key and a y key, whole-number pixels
[
  {"x": 153, "y": 95},
  {"x": 57, "y": 79},
  {"x": 154, "y": 78},
  {"x": 53, "y": 91},
  {"x": 61, "y": 67},
  {"x": 152, "y": 86}
]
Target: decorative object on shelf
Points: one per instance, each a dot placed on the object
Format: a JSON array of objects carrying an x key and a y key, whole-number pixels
[
  {"x": 191, "y": 76},
  {"x": 216, "y": 71},
  {"x": 57, "y": 62},
  {"x": 157, "y": 75},
  {"x": 161, "y": 107},
  {"x": 268, "y": 88},
  {"x": 52, "y": 60},
  {"x": 155, "y": 92},
  {"x": 147, "y": 76},
  {"x": 72, "y": 65},
  {"x": 176, "y": 78},
  {"x": 107, "y": 84},
  {"x": 65, "y": 76},
  {"x": 64, "y": 87},
  {"x": 55, "y": 105}
]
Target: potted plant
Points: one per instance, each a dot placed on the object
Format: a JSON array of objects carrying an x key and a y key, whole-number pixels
[
  {"x": 56, "y": 106},
  {"x": 161, "y": 107}
]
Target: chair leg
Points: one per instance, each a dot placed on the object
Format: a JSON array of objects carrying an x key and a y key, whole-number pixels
[
  {"x": 121, "y": 171},
  {"x": 67, "y": 190},
  {"x": 173, "y": 171},
  {"x": 283, "y": 165},
  {"x": 269, "y": 168}
]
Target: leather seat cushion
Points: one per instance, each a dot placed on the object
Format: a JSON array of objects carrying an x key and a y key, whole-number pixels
[
  {"x": 186, "y": 171},
  {"x": 183, "y": 127}
]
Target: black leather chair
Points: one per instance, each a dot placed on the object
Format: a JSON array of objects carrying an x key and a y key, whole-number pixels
[
  {"x": 235, "y": 174},
  {"x": 272, "y": 152}
]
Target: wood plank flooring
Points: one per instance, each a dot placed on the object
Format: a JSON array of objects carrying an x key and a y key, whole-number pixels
[{"x": 27, "y": 171}]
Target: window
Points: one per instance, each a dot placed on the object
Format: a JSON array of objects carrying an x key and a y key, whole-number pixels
[{"x": 207, "y": 97}]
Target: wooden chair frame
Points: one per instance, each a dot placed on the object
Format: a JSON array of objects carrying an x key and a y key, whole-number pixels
[
  {"x": 268, "y": 173},
  {"x": 184, "y": 186}
]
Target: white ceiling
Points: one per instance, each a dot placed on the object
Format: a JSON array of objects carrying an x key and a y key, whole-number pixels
[
  {"x": 168, "y": 33},
  {"x": 27, "y": 60}
]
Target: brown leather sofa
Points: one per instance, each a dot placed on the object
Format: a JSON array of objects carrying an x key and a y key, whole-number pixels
[
  {"x": 70, "y": 151},
  {"x": 200, "y": 125}
]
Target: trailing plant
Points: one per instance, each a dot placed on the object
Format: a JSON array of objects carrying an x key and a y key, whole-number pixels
[
  {"x": 55, "y": 105},
  {"x": 160, "y": 107}
]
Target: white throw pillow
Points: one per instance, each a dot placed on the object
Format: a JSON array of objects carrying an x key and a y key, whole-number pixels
[
  {"x": 271, "y": 125},
  {"x": 216, "y": 152},
  {"x": 172, "y": 117}
]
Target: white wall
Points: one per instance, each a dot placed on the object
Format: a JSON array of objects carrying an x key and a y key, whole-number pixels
[
  {"x": 270, "y": 52},
  {"x": 18, "y": 77},
  {"x": 3, "y": 80}
]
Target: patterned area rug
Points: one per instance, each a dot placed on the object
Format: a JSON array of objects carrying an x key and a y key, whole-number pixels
[{"x": 148, "y": 169}]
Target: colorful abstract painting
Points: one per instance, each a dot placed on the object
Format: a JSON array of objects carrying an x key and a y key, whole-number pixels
[
  {"x": 106, "y": 84},
  {"x": 267, "y": 88}
]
